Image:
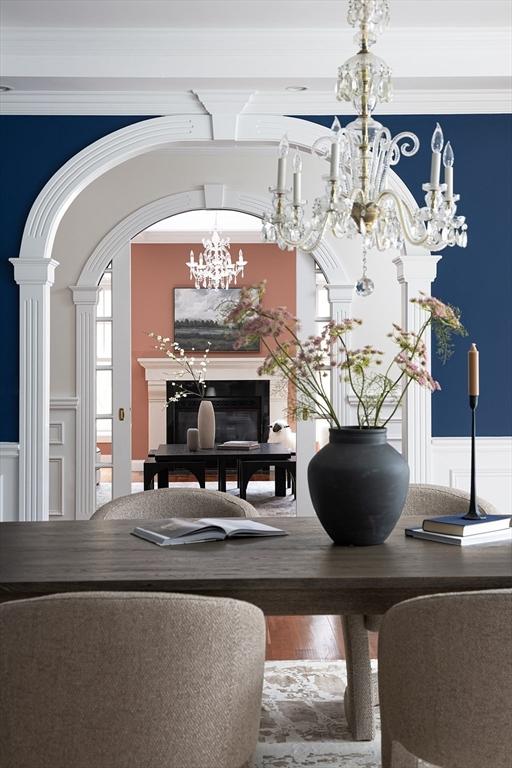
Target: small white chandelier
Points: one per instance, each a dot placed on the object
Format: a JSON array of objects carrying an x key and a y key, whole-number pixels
[
  {"x": 358, "y": 200},
  {"x": 215, "y": 268}
]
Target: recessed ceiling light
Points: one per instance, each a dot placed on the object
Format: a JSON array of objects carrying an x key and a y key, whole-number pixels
[
  {"x": 5, "y": 88},
  {"x": 296, "y": 88}
]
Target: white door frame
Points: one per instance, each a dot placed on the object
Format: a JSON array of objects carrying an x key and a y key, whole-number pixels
[{"x": 34, "y": 271}]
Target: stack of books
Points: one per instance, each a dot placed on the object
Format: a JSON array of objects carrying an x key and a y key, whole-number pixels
[
  {"x": 460, "y": 532},
  {"x": 239, "y": 445}
]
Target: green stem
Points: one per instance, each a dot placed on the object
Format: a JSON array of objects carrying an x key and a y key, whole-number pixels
[
  {"x": 402, "y": 374},
  {"x": 288, "y": 373}
]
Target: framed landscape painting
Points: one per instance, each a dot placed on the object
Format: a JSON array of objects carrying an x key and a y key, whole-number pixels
[{"x": 199, "y": 319}]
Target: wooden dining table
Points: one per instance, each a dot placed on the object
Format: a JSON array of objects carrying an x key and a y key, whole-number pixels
[{"x": 301, "y": 573}]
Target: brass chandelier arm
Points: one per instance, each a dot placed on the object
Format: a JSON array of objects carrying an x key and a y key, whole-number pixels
[{"x": 401, "y": 207}]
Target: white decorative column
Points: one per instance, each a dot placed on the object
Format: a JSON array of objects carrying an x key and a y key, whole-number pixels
[
  {"x": 35, "y": 277},
  {"x": 85, "y": 299},
  {"x": 416, "y": 273},
  {"x": 340, "y": 299}
]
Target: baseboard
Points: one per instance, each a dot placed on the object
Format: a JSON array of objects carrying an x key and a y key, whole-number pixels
[
  {"x": 9, "y": 481},
  {"x": 451, "y": 466}
]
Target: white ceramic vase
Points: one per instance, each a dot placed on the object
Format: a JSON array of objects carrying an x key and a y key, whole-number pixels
[{"x": 206, "y": 424}]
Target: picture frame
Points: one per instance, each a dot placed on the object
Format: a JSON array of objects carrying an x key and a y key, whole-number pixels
[{"x": 198, "y": 319}]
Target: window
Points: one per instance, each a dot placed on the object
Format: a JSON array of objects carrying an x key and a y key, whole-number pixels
[{"x": 104, "y": 386}]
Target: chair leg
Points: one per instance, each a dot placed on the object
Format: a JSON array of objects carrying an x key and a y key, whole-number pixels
[{"x": 358, "y": 695}]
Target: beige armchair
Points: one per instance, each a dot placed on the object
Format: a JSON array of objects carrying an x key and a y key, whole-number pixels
[
  {"x": 445, "y": 681},
  {"x": 361, "y": 692},
  {"x": 174, "y": 502},
  {"x": 124, "y": 680}
]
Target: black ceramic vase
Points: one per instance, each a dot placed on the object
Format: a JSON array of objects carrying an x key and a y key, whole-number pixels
[{"x": 358, "y": 485}]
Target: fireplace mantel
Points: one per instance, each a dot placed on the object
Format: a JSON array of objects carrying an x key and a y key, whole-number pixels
[{"x": 159, "y": 370}]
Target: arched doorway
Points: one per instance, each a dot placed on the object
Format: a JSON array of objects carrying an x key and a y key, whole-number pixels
[{"x": 35, "y": 268}]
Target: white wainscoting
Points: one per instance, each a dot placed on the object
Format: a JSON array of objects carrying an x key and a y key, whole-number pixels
[
  {"x": 63, "y": 458},
  {"x": 451, "y": 465},
  {"x": 9, "y": 479}
]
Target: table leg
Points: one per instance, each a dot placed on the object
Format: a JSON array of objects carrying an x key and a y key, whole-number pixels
[
  {"x": 163, "y": 478},
  {"x": 221, "y": 474},
  {"x": 280, "y": 480},
  {"x": 149, "y": 478}
]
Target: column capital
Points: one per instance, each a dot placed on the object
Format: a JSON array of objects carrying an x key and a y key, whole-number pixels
[
  {"x": 34, "y": 271},
  {"x": 343, "y": 294},
  {"x": 85, "y": 295},
  {"x": 416, "y": 267}
]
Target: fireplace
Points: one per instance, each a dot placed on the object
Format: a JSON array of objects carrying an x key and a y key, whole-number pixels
[{"x": 242, "y": 411}]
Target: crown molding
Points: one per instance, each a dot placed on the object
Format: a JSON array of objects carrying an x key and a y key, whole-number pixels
[
  {"x": 409, "y": 101},
  {"x": 255, "y": 53}
]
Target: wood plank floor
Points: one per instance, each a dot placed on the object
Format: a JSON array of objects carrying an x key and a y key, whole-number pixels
[{"x": 308, "y": 637}]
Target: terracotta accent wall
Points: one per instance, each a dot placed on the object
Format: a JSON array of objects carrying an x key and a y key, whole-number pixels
[{"x": 159, "y": 268}]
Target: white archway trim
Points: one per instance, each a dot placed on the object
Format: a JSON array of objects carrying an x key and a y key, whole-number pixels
[
  {"x": 37, "y": 245},
  {"x": 140, "y": 138},
  {"x": 182, "y": 202},
  {"x": 85, "y": 300}
]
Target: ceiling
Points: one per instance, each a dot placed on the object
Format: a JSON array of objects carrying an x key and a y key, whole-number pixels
[
  {"x": 177, "y": 56},
  {"x": 243, "y": 14}
]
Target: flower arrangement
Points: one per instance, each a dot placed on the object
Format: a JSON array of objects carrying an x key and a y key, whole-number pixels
[
  {"x": 195, "y": 367},
  {"x": 305, "y": 363}
]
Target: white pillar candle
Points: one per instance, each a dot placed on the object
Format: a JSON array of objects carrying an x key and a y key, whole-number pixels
[
  {"x": 297, "y": 191},
  {"x": 435, "y": 170},
  {"x": 448, "y": 180},
  {"x": 335, "y": 160},
  {"x": 281, "y": 164},
  {"x": 297, "y": 178},
  {"x": 281, "y": 174},
  {"x": 448, "y": 160}
]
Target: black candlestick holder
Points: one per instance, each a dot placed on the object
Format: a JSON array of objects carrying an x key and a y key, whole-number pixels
[{"x": 474, "y": 512}]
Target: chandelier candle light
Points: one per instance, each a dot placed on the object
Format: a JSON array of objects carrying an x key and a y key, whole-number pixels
[
  {"x": 358, "y": 200},
  {"x": 214, "y": 269}
]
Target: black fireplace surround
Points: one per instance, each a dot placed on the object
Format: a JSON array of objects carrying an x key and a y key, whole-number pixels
[{"x": 242, "y": 411}]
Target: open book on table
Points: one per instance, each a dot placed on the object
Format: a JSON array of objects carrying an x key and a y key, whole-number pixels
[{"x": 192, "y": 531}]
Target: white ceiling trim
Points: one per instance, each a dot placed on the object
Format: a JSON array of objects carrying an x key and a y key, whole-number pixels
[
  {"x": 407, "y": 101},
  {"x": 260, "y": 53}
]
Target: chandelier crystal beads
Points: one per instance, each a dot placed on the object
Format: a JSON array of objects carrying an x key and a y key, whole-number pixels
[
  {"x": 357, "y": 199},
  {"x": 214, "y": 268}
]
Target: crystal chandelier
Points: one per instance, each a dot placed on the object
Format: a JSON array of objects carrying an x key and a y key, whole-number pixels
[
  {"x": 214, "y": 269},
  {"x": 357, "y": 200}
]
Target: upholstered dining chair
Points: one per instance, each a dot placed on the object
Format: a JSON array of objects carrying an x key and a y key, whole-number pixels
[
  {"x": 127, "y": 679},
  {"x": 361, "y": 691},
  {"x": 445, "y": 681},
  {"x": 174, "y": 502}
]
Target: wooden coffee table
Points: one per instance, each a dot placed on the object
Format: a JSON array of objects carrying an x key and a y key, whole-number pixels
[{"x": 174, "y": 454}]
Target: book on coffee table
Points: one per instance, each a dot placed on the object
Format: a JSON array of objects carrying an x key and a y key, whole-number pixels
[
  {"x": 456, "y": 525},
  {"x": 238, "y": 445},
  {"x": 491, "y": 537},
  {"x": 191, "y": 531}
]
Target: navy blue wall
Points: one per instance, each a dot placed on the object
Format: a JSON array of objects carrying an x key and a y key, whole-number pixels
[
  {"x": 477, "y": 279},
  {"x": 33, "y": 149}
]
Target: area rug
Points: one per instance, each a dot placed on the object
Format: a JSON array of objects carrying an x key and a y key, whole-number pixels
[
  {"x": 260, "y": 494},
  {"x": 303, "y": 722}
]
